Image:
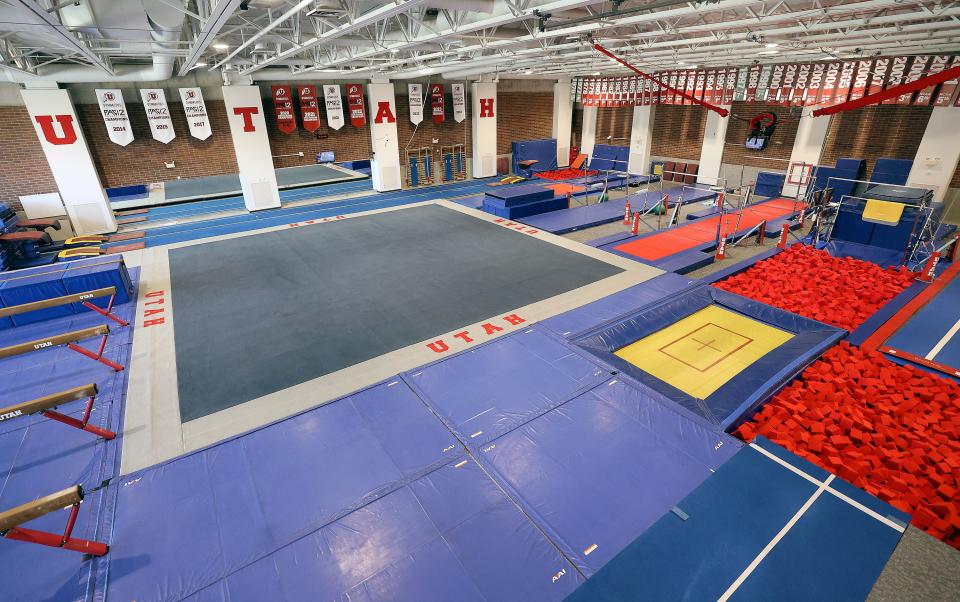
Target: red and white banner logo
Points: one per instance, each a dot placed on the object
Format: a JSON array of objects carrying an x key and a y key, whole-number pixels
[
  {"x": 196, "y": 111},
  {"x": 334, "y": 105},
  {"x": 115, "y": 116},
  {"x": 358, "y": 116},
  {"x": 158, "y": 115},
  {"x": 937, "y": 64},
  {"x": 436, "y": 103},
  {"x": 283, "y": 107},
  {"x": 309, "y": 108}
]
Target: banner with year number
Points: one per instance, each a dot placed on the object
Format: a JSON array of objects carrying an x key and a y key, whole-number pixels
[
  {"x": 115, "y": 116},
  {"x": 436, "y": 103},
  {"x": 334, "y": 106},
  {"x": 158, "y": 115},
  {"x": 309, "y": 108},
  {"x": 283, "y": 107},
  {"x": 358, "y": 114},
  {"x": 415, "y": 102},
  {"x": 196, "y": 112},
  {"x": 459, "y": 102}
]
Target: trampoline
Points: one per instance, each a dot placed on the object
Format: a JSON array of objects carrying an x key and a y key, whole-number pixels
[
  {"x": 767, "y": 525},
  {"x": 703, "y": 351},
  {"x": 714, "y": 353}
]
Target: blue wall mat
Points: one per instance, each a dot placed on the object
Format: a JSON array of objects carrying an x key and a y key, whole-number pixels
[
  {"x": 769, "y": 184},
  {"x": 542, "y": 151},
  {"x": 891, "y": 171}
]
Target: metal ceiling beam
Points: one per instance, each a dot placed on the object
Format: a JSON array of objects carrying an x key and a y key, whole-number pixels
[
  {"x": 69, "y": 40},
  {"x": 208, "y": 31},
  {"x": 387, "y": 11},
  {"x": 270, "y": 27}
]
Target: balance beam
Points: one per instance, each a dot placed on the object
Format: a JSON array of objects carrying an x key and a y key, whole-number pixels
[
  {"x": 70, "y": 339},
  {"x": 45, "y": 405},
  {"x": 82, "y": 298},
  {"x": 11, "y": 520}
]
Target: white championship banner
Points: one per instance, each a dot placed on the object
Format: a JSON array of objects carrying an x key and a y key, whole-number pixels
[
  {"x": 331, "y": 97},
  {"x": 196, "y": 112},
  {"x": 158, "y": 115},
  {"x": 415, "y": 101},
  {"x": 459, "y": 103},
  {"x": 115, "y": 116}
]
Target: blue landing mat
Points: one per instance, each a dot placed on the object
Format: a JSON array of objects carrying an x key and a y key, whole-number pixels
[
  {"x": 591, "y": 315},
  {"x": 368, "y": 495},
  {"x": 834, "y": 539},
  {"x": 600, "y": 469},
  {"x": 40, "y": 456}
]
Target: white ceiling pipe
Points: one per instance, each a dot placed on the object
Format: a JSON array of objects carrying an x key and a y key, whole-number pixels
[{"x": 269, "y": 27}]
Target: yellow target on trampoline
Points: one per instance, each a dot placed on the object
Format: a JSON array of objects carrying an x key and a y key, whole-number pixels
[{"x": 703, "y": 351}]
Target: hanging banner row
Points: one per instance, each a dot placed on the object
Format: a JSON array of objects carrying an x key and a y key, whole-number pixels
[
  {"x": 789, "y": 85},
  {"x": 117, "y": 121}
]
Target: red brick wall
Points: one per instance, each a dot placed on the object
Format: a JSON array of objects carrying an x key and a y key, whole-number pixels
[
  {"x": 615, "y": 122},
  {"x": 873, "y": 132},
  {"x": 23, "y": 167},
  {"x": 779, "y": 147},
  {"x": 142, "y": 161},
  {"x": 678, "y": 131},
  {"x": 523, "y": 116}
]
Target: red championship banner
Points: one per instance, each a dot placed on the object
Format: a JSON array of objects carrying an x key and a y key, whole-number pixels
[
  {"x": 699, "y": 85},
  {"x": 948, "y": 89},
  {"x": 681, "y": 86},
  {"x": 719, "y": 84},
  {"x": 898, "y": 70},
  {"x": 309, "y": 109},
  {"x": 604, "y": 87},
  {"x": 691, "y": 83},
  {"x": 731, "y": 86},
  {"x": 861, "y": 80},
  {"x": 436, "y": 103},
  {"x": 358, "y": 114},
  {"x": 800, "y": 86},
  {"x": 814, "y": 84},
  {"x": 776, "y": 80},
  {"x": 789, "y": 81},
  {"x": 829, "y": 85},
  {"x": 709, "y": 82},
  {"x": 881, "y": 67},
  {"x": 753, "y": 82},
  {"x": 937, "y": 64},
  {"x": 845, "y": 82},
  {"x": 283, "y": 107},
  {"x": 918, "y": 68}
]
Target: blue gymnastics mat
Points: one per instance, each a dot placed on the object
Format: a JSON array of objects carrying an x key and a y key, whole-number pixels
[
  {"x": 932, "y": 332},
  {"x": 768, "y": 525},
  {"x": 588, "y": 216},
  {"x": 40, "y": 456}
]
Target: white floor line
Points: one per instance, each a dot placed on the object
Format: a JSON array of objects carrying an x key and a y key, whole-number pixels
[
  {"x": 943, "y": 342},
  {"x": 773, "y": 542},
  {"x": 893, "y": 525}
]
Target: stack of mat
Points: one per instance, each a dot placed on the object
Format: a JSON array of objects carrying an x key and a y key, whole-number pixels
[
  {"x": 515, "y": 202},
  {"x": 890, "y": 430}
]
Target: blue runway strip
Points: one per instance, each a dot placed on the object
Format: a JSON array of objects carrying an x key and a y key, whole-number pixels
[
  {"x": 277, "y": 217},
  {"x": 233, "y": 203},
  {"x": 767, "y": 525},
  {"x": 932, "y": 332}
]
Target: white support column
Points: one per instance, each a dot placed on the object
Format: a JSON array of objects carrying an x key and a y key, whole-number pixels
[
  {"x": 562, "y": 120},
  {"x": 484, "y": 127},
  {"x": 938, "y": 154},
  {"x": 588, "y": 131},
  {"x": 711, "y": 153},
  {"x": 641, "y": 139},
  {"x": 55, "y": 121},
  {"x": 251, "y": 144},
  {"x": 807, "y": 148},
  {"x": 385, "y": 162}
]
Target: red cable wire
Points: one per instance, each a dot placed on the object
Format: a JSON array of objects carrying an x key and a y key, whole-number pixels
[{"x": 719, "y": 110}]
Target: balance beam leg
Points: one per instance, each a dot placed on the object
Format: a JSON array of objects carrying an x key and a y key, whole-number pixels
[
  {"x": 107, "y": 313},
  {"x": 65, "y": 541},
  {"x": 77, "y": 424},
  {"x": 98, "y": 356}
]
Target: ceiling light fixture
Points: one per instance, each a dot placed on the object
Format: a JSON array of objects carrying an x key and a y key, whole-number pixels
[
  {"x": 221, "y": 46},
  {"x": 771, "y": 45}
]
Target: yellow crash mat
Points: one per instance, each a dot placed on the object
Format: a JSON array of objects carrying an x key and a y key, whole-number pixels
[
  {"x": 882, "y": 212},
  {"x": 701, "y": 352}
]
